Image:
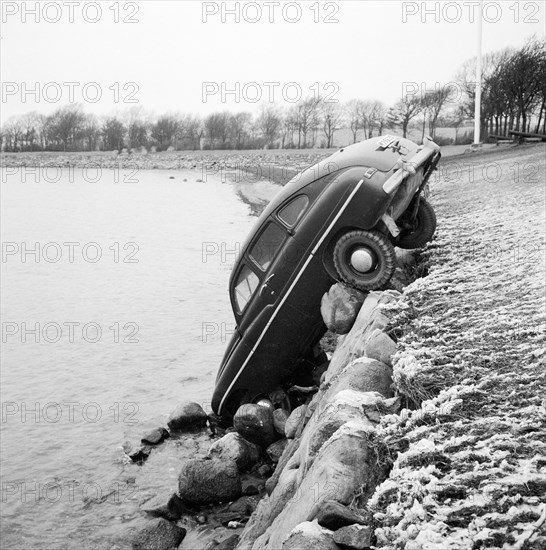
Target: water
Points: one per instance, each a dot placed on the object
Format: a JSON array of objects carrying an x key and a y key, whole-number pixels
[{"x": 70, "y": 399}]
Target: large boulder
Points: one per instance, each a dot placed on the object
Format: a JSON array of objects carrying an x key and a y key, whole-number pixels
[
  {"x": 354, "y": 537},
  {"x": 255, "y": 424},
  {"x": 363, "y": 375},
  {"x": 158, "y": 534},
  {"x": 309, "y": 536},
  {"x": 187, "y": 416},
  {"x": 380, "y": 346},
  {"x": 294, "y": 421},
  {"x": 233, "y": 446},
  {"x": 204, "y": 481},
  {"x": 340, "y": 306},
  {"x": 344, "y": 462}
]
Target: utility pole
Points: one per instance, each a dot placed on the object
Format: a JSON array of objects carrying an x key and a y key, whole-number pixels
[{"x": 478, "y": 102}]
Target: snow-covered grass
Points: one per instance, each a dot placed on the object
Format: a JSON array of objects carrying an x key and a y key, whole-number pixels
[{"x": 469, "y": 450}]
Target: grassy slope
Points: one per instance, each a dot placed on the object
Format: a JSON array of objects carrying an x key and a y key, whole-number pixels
[{"x": 470, "y": 463}]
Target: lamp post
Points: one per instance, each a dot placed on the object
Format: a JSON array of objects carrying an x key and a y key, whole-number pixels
[{"x": 477, "y": 105}]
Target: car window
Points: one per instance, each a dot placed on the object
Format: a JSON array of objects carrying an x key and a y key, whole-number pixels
[
  {"x": 267, "y": 245},
  {"x": 246, "y": 284},
  {"x": 293, "y": 211}
]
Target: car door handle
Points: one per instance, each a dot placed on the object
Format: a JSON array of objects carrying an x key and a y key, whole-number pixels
[{"x": 264, "y": 286}]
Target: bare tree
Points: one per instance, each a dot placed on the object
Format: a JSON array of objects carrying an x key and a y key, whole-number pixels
[
  {"x": 113, "y": 134},
  {"x": 307, "y": 119},
  {"x": 405, "y": 111},
  {"x": 239, "y": 125},
  {"x": 353, "y": 110},
  {"x": 66, "y": 125},
  {"x": 269, "y": 123},
  {"x": 332, "y": 119}
]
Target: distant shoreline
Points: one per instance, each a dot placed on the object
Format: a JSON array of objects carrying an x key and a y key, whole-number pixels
[{"x": 275, "y": 166}]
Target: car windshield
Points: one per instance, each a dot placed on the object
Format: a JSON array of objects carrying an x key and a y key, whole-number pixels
[
  {"x": 292, "y": 212},
  {"x": 266, "y": 247},
  {"x": 246, "y": 284}
]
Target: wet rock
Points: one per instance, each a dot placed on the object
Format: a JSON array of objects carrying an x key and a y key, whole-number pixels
[
  {"x": 294, "y": 420},
  {"x": 380, "y": 346},
  {"x": 280, "y": 417},
  {"x": 171, "y": 507},
  {"x": 309, "y": 536},
  {"x": 275, "y": 450},
  {"x": 137, "y": 454},
  {"x": 235, "y": 447},
  {"x": 334, "y": 515},
  {"x": 354, "y": 537},
  {"x": 187, "y": 416},
  {"x": 155, "y": 437},
  {"x": 340, "y": 306},
  {"x": 255, "y": 424},
  {"x": 159, "y": 534},
  {"x": 204, "y": 481}
]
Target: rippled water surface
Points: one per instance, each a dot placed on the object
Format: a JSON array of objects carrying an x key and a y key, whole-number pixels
[{"x": 144, "y": 309}]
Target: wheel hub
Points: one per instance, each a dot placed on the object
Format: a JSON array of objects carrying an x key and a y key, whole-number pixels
[{"x": 362, "y": 260}]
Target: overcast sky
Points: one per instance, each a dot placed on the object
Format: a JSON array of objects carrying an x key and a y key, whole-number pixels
[{"x": 162, "y": 54}]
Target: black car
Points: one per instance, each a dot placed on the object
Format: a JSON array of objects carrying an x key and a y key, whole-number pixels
[{"x": 337, "y": 221}]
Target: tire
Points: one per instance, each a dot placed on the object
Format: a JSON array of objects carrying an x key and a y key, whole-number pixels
[
  {"x": 374, "y": 269},
  {"x": 417, "y": 233}
]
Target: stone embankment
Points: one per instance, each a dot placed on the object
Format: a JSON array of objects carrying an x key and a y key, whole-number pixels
[{"x": 298, "y": 480}]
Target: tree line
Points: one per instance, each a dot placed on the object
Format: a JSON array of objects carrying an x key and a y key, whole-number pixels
[{"x": 513, "y": 98}]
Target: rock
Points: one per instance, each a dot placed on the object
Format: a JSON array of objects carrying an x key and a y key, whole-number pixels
[
  {"x": 171, "y": 508},
  {"x": 155, "y": 437},
  {"x": 228, "y": 544},
  {"x": 355, "y": 537},
  {"x": 275, "y": 450},
  {"x": 340, "y": 306},
  {"x": 235, "y": 447},
  {"x": 294, "y": 420},
  {"x": 159, "y": 534},
  {"x": 255, "y": 424},
  {"x": 264, "y": 470},
  {"x": 280, "y": 417},
  {"x": 138, "y": 454},
  {"x": 252, "y": 486},
  {"x": 309, "y": 536},
  {"x": 201, "y": 519},
  {"x": 244, "y": 506},
  {"x": 187, "y": 417},
  {"x": 380, "y": 346},
  {"x": 204, "y": 481},
  {"x": 345, "y": 461},
  {"x": 334, "y": 515},
  {"x": 363, "y": 375}
]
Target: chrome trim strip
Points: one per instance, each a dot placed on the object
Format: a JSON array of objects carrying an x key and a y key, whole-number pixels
[{"x": 313, "y": 252}]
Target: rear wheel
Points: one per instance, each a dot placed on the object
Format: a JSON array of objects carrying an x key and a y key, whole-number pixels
[
  {"x": 365, "y": 259},
  {"x": 418, "y": 231}
]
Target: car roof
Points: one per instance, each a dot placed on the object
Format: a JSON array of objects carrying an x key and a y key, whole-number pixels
[
  {"x": 369, "y": 153},
  {"x": 366, "y": 153}
]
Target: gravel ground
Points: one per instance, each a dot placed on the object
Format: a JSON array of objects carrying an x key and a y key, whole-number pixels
[{"x": 469, "y": 451}]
